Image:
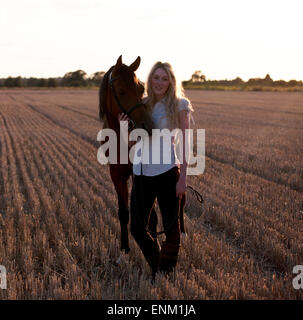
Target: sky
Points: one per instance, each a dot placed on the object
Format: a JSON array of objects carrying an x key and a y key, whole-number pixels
[{"x": 223, "y": 39}]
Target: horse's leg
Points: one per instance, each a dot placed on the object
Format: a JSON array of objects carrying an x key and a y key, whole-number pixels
[{"x": 119, "y": 179}]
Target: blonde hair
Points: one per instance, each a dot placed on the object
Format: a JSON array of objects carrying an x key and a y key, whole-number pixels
[{"x": 172, "y": 96}]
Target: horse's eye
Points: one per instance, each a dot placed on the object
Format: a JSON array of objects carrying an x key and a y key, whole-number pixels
[{"x": 121, "y": 92}]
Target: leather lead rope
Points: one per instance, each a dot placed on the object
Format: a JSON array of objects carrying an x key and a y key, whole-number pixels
[{"x": 198, "y": 197}]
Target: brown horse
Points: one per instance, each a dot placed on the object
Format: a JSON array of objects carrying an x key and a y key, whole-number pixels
[{"x": 121, "y": 92}]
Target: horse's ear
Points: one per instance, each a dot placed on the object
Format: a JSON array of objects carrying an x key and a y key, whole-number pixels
[
  {"x": 135, "y": 65},
  {"x": 118, "y": 64}
]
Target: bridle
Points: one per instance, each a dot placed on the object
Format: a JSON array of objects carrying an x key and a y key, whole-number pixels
[{"x": 129, "y": 111}]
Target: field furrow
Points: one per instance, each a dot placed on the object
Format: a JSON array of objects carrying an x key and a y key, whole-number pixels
[
  {"x": 17, "y": 198},
  {"x": 4, "y": 182}
]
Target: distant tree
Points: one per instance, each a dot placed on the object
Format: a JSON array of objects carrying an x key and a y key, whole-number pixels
[
  {"x": 8, "y": 82},
  {"x": 96, "y": 78},
  {"x": 52, "y": 82},
  {"x": 75, "y": 78},
  {"x": 280, "y": 83},
  {"x": 17, "y": 82},
  {"x": 32, "y": 82},
  {"x": 42, "y": 82},
  {"x": 254, "y": 81},
  {"x": 268, "y": 81},
  {"x": 198, "y": 76},
  {"x": 293, "y": 83},
  {"x": 237, "y": 81},
  {"x": 13, "y": 82}
]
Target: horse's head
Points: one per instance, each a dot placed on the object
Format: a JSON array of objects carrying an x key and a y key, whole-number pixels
[{"x": 125, "y": 93}]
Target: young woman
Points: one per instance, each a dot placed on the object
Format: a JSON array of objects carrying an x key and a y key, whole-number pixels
[{"x": 163, "y": 181}]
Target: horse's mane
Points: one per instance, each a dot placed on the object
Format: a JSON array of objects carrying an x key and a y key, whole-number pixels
[{"x": 102, "y": 95}]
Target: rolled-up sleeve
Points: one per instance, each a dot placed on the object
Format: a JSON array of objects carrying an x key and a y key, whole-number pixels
[{"x": 185, "y": 104}]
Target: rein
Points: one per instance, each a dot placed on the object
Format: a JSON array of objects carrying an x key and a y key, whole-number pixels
[{"x": 127, "y": 112}]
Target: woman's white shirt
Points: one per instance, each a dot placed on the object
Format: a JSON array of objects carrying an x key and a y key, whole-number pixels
[{"x": 164, "y": 156}]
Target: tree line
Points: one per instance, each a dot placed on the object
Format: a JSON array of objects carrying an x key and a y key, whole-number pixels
[
  {"x": 77, "y": 78},
  {"x": 198, "y": 79}
]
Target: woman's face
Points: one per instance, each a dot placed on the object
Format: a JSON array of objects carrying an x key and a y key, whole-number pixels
[{"x": 159, "y": 83}]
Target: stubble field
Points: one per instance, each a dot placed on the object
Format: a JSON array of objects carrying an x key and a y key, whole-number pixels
[{"x": 59, "y": 228}]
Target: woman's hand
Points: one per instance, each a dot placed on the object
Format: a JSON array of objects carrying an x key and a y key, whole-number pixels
[
  {"x": 180, "y": 187},
  {"x": 123, "y": 117}
]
